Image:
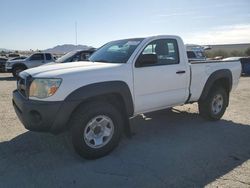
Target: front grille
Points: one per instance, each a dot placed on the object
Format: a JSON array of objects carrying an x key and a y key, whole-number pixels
[{"x": 21, "y": 86}]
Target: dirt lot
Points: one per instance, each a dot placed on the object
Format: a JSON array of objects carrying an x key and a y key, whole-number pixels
[{"x": 169, "y": 149}]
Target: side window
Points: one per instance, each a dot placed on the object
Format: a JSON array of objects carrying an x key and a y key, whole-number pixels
[
  {"x": 191, "y": 54},
  {"x": 87, "y": 56},
  {"x": 36, "y": 57},
  {"x": 150, "y": 49},
  {"x": 76, "y": 57},
  {"x": 48, "y": 57},
  {"x": 200, "y": 54},
  {"x": 166, "y": 51},
  {"x": 83, "y": 56}
]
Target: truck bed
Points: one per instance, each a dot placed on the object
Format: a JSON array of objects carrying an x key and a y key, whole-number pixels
[{"x": 201, "y": 70}]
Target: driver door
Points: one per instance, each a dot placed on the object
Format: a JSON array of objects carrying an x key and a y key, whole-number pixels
[
  {"x": 164, "y": 83},
  {"x": 36, "y": 60}
]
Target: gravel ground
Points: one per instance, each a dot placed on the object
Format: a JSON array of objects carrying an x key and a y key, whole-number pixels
[{"x": 173, "y": 148}]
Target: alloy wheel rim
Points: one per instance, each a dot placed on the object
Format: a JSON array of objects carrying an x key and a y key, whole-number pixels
[
  {"x": 217, "y": 104},
  {"x": 99, "y": 131}
]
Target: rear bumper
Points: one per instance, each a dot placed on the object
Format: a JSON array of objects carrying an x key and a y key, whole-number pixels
[{"x": 42, "y": 116}]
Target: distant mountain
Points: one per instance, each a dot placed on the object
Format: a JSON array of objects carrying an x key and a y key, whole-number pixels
[{"x": 61, "y": 49}]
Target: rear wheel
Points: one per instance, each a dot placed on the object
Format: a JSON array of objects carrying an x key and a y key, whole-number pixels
[
  {"x": 17, "y": 70},
  {"x": 215, "y": 104},
  {"x": 96, "y": 129}
]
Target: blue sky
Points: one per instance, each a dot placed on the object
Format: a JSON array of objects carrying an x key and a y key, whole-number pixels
[{"x": 31, "y": 24}]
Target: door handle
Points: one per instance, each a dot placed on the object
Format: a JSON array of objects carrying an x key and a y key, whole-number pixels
[{"x": 181, "y": 72}]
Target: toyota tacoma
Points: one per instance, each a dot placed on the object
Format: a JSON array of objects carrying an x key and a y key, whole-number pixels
[{"x": 94, "y": 100}]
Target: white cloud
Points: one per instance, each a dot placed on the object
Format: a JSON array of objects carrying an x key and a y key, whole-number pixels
[{"x": 232, "y": 34}]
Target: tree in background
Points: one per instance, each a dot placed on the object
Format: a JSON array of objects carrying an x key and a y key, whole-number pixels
[
  {"x": 236, "y": 53},
  {"x": 247, "y": 52},
  {"x": 225, "y": 54},
  {"x": 212, "y": 54}
]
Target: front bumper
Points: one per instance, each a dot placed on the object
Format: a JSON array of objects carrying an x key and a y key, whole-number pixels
[
  {"x": 42, "y": 116},
  {"x": 2, "y": 67}
]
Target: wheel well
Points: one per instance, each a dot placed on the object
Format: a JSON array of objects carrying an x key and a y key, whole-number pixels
[
  {"x": 19, "y": 65},
  {"x": 224, "y": 83},
  {"x": 112, "y": 98},
  {"x": 220, "y": 78}
]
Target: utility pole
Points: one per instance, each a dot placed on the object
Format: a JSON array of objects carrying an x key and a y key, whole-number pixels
[{"x": 76, "y": 31}]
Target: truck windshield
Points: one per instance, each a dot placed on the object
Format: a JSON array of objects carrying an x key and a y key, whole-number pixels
[
  {"x": 65, "y": 57},
  {"x": 116, "y": 51}
]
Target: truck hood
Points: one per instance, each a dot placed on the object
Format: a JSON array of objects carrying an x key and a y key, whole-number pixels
[
  {"x": 57, "y": 69},
  {"x": 16, "y": 61}
]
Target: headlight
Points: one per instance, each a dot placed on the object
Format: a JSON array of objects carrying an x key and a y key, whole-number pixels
[{"x": 43, "y": 88}]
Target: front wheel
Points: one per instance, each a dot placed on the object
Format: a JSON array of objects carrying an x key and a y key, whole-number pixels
[
  {"x": 96, "y": 129},
  {"x": 214, "y": 105},
  {"x": 17, "y": 70}
]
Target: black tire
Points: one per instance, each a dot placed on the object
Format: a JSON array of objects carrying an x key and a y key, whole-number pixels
[
  {"x": 16, "y": 70},
  {"x": 83, "y": 115},
  {"x": 206, "y": 105}
]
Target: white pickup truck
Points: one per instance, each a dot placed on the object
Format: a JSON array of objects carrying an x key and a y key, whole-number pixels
[
  {"x": 15, "y": 66},
  {"x": 123, "y": 78}
]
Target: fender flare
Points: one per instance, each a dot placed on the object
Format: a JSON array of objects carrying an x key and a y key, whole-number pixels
[
  {"x": 219, "y": 74},
  {"x": 103, "y": 88}
]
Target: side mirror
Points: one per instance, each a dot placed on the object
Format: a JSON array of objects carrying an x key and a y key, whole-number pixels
[{"x": 146, "y": 60}]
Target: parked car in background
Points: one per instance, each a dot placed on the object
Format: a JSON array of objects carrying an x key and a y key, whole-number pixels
[
  {"x": 12, "y": 55},
  {"x": 37, "y": 59},
  {"x": 17, "y": 58},
  {"x": 245, "y": 63},
  {"x": 73, "y": 56},
  {"x": 195, "y": 52},
  {"x": 3, "y": 61}
]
